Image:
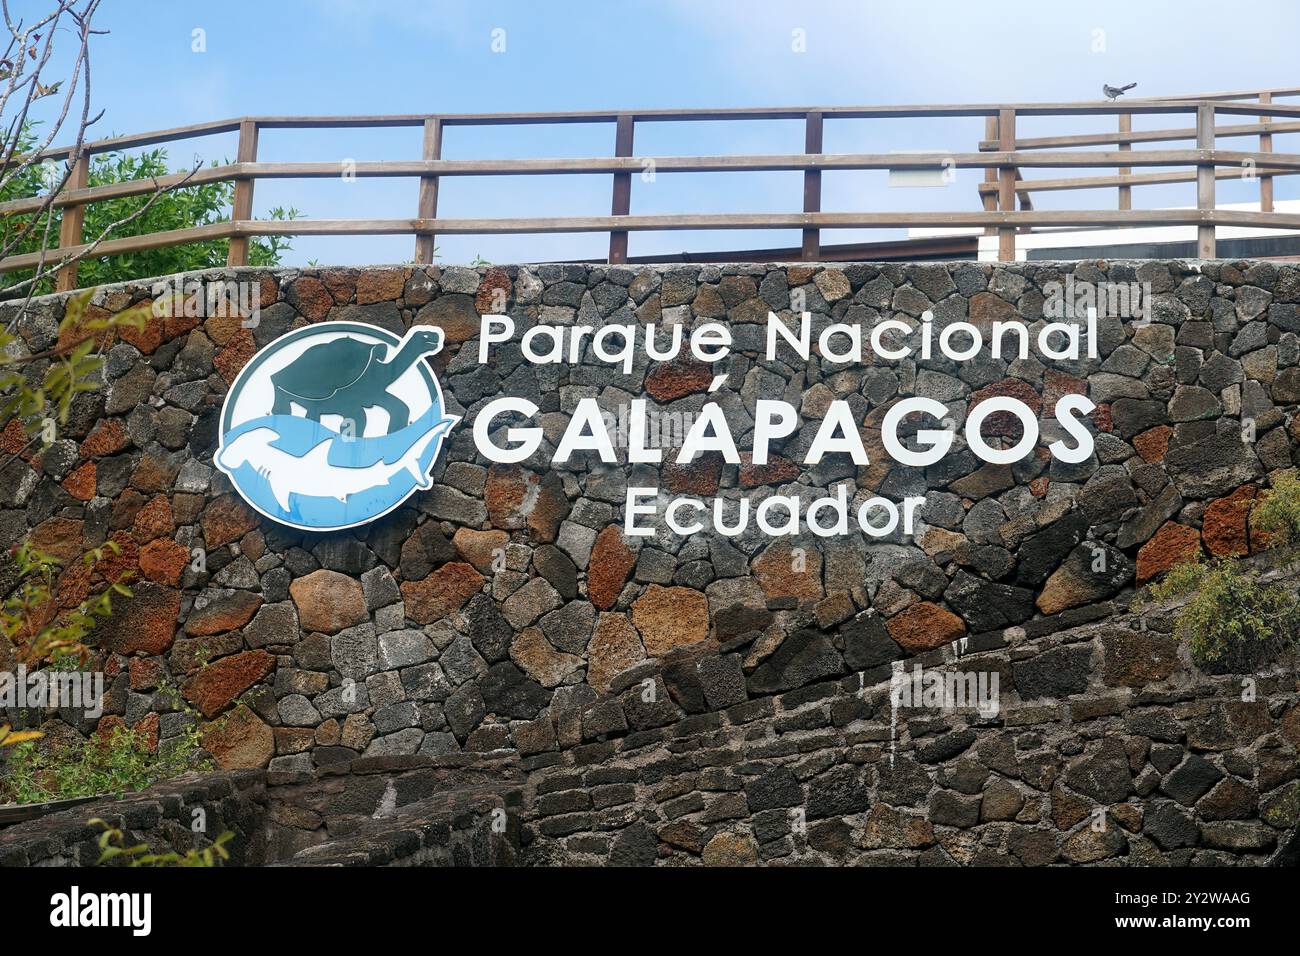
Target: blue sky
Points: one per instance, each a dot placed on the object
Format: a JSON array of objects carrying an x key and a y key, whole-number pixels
[{"x": 351, "y": 56}]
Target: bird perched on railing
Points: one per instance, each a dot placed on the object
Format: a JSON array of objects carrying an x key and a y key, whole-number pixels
[{"x": 1115, "y": 91}]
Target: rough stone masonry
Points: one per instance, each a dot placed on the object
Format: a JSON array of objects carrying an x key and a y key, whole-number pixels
[{"x": 692, "y": 699}]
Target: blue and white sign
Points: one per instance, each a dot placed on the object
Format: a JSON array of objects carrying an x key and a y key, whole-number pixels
[{"x": 334, "y": 425}]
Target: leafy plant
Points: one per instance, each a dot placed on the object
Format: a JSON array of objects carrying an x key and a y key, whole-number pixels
[
  {"x": 112, "y": 846},
  {"x": 121, "y": 762},
  {"x": 42, "y": 400},
  {"x": 1231, "y": 614},
  {"x": 30, "y": 619},
  {"x": 1277, "y": 512},
  {"x": 180, "y": 208}
]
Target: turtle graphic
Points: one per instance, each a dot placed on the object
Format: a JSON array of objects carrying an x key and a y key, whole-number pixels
[{"x": 346, "y": 376}]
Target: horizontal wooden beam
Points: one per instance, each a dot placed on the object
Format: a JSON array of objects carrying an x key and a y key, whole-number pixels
[
  {"x": 1144, "y": 136},
  {"x": 818, "y": 220},
  {"x": 698, "y": 221},
  {"x": 1097, "y": 107},
  {"x": 1135, "y": 179},
  {"x": 1276, "y": 163},
  {"x": 153, "y": 240}
]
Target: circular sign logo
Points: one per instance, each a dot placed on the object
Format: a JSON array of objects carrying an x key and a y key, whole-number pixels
[{"x": 333, "y": 425}]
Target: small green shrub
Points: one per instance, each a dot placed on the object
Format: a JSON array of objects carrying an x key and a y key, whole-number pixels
[
  {"x": 1277, "y": 512},
  {"x": 112, "y": 846},
  {"x": 120, "y": 763},
  {"x": 1232, "y": 614}
]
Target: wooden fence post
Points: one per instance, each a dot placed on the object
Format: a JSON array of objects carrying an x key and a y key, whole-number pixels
[
  {"x": 427, "y": 204},
  {"x": 1266, "y": 146},
  {"x": 621, "y": 201},
  {"x": 241, "y": 208},
  {"x": 1125, "y": 192},
  {"x": 72, "y": 223},
  {"x": 990, "y": 199},
  {"x": 1007, "y": 185},
  {"x": 812, "y": 186},
  {"x": 1205, "y": 180}
]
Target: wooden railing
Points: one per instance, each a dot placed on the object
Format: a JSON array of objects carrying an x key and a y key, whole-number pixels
[{"x": 1003, "y": 155}]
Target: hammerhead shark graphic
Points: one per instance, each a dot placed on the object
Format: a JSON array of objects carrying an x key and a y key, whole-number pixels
[{"x": 329, "y": 468}]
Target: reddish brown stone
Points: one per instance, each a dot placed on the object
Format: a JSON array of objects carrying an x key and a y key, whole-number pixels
[
  {"x": 924, "y": 626},
  {"x": 121, "y": 558},
  {"x": 268, "y": 288},
  {"x": 310, "y": 297},
  {"x": 1057, "y": 385},
  {"x": 549, "y": 510},
  {"x": 700, "y": 477},
  {"x": 328, "y": 601},
  {"x": 668, "y": 618},
  {"x": 607, "y": 571},
  {"x": 107, "y": 727},
  {"x": 253, "y": 545},
  {"x": 614, "y": 648},
  {"x": 668, "y": 381},
  {"x": 1153, "y": 443},
  {"x": 175, "y": 326},
  {"x": 455, "y": 314},
  {"x": 1038, "y": 486},
  {"x": 789, "y": 573},
  {"x": 60, "y": 537},
  {"x": 777, "y": 471},
  {"x": 153, "y": 475},
  {"x": 146, "y": 672},
  {"x": 493, "y": 292},
  {"x": 341, "y": 283},
  {"x": 164, "y": 561},
  {"x": 443, "y": 592},
  {"x": 480, "y": 548},
  {"x": 81, "y": 483},
  {"x": 214, "y": 687},
  {"x": 235, "y": 355},
  {"x": 154, "y": 520},
  {"x": 987, "y": 308},
  {"x": 224, "y": 520},
  {"x": 1172, "y": 544},
  {"x": 146, "y": 729},
  {"x": 221, "y": 329},
  {"x": 224, "y": 614},
  {"x": 76, "y": 332},
  {"x": 506, "y": 495},
  {"x": 517, "y": 498},
  {"x": 1101, "y": 419},
  {"x": 381, "y": 285},
  {"x": 1290, "y": 725},
  {"x": 106, "y": 438},
  {"x": 1005, "y": 424},
  {"x": 239, "y": 741},
  {"x": 74, "y": 584},
  {"x": 1224, "y": 524},
  {"x": 538, "y": 658},
  {"x": 143, "y": 623},
  {"x": 149, "y": 336},
  {"x": 14, "y": 438}
]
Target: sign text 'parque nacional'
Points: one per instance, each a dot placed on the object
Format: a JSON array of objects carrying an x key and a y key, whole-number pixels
[{"x": 336, "y": 424}]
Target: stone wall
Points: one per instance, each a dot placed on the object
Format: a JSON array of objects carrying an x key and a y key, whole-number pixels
[
  {"x": 171, "y": 815},
  {"x": 710, "y": 682},
  {"x": 454, "y": 810}
]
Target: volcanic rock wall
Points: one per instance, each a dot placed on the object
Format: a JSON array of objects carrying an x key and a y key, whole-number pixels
[{"x": 504, "y": 610}]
